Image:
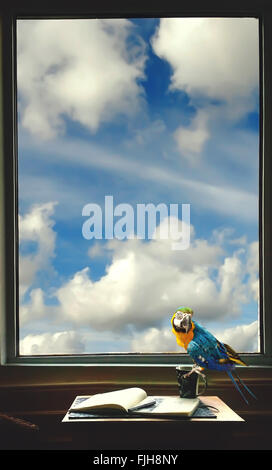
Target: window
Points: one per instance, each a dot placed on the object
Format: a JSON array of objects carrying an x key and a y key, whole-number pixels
[{"x": 158, "y": 131}]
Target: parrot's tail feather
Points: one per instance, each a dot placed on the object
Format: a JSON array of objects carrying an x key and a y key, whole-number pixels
[
  {"x": 236, "y": 386},
  {"x": 244, "y": 385}
]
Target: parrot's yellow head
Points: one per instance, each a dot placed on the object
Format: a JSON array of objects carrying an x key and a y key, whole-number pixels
[
  {"x": 183, "y": 327},
  {"x": 182, "y": 320}
]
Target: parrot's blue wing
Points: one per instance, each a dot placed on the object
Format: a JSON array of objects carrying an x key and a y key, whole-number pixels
[
  {"x": 209, "y": 353},
  {"x": 206, "y": 354}
]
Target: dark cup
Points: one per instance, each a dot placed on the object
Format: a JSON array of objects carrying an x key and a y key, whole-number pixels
[{"x": 189, "y": 386}]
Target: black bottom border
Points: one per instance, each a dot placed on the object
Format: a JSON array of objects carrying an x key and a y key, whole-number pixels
[{"x": 129, "y": 458}]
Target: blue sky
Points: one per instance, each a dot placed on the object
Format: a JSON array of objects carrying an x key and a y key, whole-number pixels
[{"x": 148, "y": 111}]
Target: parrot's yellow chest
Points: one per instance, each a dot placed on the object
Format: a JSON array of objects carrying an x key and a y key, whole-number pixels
[{"x": 183, "y": 339}]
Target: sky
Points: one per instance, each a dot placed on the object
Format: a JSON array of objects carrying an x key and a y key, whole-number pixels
[{"x": 147, "y": 111}]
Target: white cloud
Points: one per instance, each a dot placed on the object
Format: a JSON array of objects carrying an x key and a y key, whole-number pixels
[
  {"x": 253, "y": 269},
  {"x": 242, "y": 338},
  {"x": 145, "y": 282},
  {"x": 209, "y": 56},
  {"x": 36, "y": 226},
  {"x": 79, "y": 68},
  {"x": 64, "y": 342},
  {"x": 34, "y": 308},
  {"x": 191, "y": 139},
  {"x": 154, "y": 340},
  {"x": 210, "y": 61},
  {"x": 96, "y": 251},
  {"x": 230, "y": 277}
]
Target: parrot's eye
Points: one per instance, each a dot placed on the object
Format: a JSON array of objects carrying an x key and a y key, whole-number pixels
[{"x": 179, "y": 315}]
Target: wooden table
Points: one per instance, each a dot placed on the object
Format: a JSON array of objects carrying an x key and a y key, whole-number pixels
[{"x": 157, "y": 433}]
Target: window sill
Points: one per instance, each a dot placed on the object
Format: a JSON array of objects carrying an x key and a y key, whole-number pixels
[{"x": 114, "y": 374}]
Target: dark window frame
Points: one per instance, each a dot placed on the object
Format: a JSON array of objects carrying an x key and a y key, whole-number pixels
[{"x": 9, "y": 208}]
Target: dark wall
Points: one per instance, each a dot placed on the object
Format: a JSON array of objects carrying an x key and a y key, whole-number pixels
[{"x": 45, "y": 404}]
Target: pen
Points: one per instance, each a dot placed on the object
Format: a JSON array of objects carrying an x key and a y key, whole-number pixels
[{"x": 145, "y": 405}]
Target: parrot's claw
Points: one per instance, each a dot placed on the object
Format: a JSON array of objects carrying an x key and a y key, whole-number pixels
[{"x": 197, "y": 369}]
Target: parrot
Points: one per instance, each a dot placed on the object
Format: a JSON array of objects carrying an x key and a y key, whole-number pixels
[{"x": 205, "y": 350}]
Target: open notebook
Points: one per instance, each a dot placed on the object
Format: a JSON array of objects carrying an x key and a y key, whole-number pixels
[{"x": 132, "y": 402}]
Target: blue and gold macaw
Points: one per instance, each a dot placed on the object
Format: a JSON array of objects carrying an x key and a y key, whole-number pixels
[{"x": 205, "y": 350}]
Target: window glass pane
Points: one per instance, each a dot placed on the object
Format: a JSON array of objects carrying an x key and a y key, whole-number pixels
[{"x": 138, "y": 170}]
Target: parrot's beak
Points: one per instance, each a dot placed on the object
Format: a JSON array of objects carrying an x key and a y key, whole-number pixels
[
  {"x": 183, "y": 324},
  {"x": 187, "y": 322}
]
